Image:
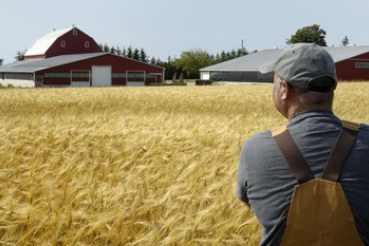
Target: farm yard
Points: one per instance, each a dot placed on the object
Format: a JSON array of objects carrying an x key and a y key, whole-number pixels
[{"x": 134, "y": 166}]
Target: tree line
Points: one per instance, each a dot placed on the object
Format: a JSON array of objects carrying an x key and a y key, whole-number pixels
[
  {"x": 186, "y": 66},
  {"x": 129, "y": 52}
]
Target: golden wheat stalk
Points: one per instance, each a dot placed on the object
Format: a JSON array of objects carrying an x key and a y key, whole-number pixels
[{"x": 134, "y": 166}]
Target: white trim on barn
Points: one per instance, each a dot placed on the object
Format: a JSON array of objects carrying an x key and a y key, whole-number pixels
[
  {"x": 140, "y": 83},
  {"x": 80, "y": 84}
]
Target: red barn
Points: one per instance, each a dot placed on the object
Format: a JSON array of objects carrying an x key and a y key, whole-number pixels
[
  {"x": 69, "y": 57},
  {"x": 356, "y": 67}
]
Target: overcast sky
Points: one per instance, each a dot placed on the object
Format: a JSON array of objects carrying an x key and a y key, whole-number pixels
[{"x": 168, "y": 27}]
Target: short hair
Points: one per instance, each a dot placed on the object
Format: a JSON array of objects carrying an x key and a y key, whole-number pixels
[
  {"x": 321, "y": 84},
  {"x": 320, "y": 92}
]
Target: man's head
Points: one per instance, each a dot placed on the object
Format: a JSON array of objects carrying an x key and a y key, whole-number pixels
[
  {"x": 305, "y": 78},
  {"x": 302, "y": 65}
]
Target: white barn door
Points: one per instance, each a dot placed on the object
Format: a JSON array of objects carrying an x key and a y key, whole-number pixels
[{"x": 101, "y": 75}]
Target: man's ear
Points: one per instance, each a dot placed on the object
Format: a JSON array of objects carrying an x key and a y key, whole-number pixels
[{"x": 285, "y": 90}]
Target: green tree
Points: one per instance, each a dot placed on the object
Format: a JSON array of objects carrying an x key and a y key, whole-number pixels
[
  {"x": 1, "y": 61},
  {"x": 233, "y": 54},
  {"x": 118, "y": 51},
  {"x": 309, "y": 34},
  {"x": 153, "y": 60},
  {"x": 170, "y": 69},
  {"x": 223, "y": 56},
  {"x": 20, "y": 55},
  {"x": 136, "y": 54},
  {"x": 191, "y": 62},
  {"x": 106, "y": 48},
  {"x": 124, "y": 52},
  {"x": 129, "y": 52},
  {"x": 143, "y": 55},
  {"x": 113, "y": 50},
  {"x": 345, "y": 41}
]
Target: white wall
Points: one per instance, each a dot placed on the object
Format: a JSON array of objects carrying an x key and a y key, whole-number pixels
[
  {"x": 205, "y": 75},
  {"x": 17, "y": 82}
]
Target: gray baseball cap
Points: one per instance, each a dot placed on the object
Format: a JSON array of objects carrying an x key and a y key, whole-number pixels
[{"x": 302, "y": 63}]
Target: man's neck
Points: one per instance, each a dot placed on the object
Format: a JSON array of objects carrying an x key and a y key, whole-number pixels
[{"x": 293, "y": 111}]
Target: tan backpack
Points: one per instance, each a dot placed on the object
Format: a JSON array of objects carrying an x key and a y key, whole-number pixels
[{"x": 319, "y": 213}]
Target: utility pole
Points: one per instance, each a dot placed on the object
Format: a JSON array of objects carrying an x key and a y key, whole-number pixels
[{"x": 242, "y": 48}]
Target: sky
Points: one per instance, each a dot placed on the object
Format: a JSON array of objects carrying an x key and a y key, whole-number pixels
[{"x": 166, "y": 28}]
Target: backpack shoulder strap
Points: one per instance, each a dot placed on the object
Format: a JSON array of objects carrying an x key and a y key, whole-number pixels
[
  {"x": 340, "y": 151},
  {"x": 292, "y": 154}
]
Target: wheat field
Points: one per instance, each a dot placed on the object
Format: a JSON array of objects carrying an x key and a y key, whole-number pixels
[{"x": 134, "y": 166}]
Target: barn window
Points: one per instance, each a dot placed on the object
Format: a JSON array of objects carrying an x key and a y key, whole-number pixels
[
  {"x": 361, "y": 64},
  {"x": 75, "y": 32},
  {"x": 87, "y": 44},
  {"x": 62, "y": 44}
]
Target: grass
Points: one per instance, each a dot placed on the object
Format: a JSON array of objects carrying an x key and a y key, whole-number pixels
[{"x": 134, "y": 166}]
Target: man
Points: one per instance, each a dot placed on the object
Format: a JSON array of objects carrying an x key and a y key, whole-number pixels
[{"x": 303, "y": 92}]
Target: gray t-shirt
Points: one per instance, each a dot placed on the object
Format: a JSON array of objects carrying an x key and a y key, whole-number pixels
[{"x": 266, "y": 182}]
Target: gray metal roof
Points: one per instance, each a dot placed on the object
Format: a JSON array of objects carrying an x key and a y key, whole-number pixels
[
  {"x": 249, "y": 62},
  {"x": 252, "y": 62},
  {"x": 346, "y": 52},
  {"x": 31, "y": 66}
]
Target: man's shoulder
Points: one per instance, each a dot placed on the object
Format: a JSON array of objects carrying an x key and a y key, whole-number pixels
[
  {"x": 266, "y": 136},
  {"x": 364, "y": 131},
  {"x": 259, "y": 141},
  {"x": 364, "y": 127},
  {"x": 260, "y": 136}
]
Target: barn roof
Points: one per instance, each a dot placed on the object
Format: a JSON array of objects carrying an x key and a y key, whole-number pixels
[
  {"x": 249, "y": 62},
  {"x": 252, "y": 62},
  {"x": 34, "y": 65},
  {"x": 345, "y": 52},
  {"x": 31, "y": 66},
  {"x": 43, "y": 44}
]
